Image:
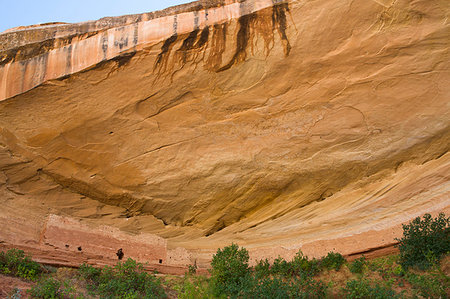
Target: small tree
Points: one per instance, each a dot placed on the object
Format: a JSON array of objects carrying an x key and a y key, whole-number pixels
[
  {"x": 424, "y": 241},
  {"x": 229, "y": 270},
  {"x": 333, "y": 260}
]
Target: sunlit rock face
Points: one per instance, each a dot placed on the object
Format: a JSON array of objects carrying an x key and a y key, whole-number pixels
[{"x": 278, "y": 125}]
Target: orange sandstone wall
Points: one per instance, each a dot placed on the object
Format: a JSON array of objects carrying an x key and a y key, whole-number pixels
[{"x": 18, "y": 76}]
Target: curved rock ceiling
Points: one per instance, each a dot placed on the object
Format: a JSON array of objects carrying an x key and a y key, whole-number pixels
[{"x": 320, "y": 125}]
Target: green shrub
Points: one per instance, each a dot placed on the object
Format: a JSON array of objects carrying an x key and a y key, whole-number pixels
[
  {"x": 262, "y": 269},
  {"x": 308, "y": 288},
  {"x": 125, "y": 280},
  {"x": 356, "y": 289},
  {"x": 358, "y": 265},
  {"x": 424, "y": 241},
  {"x": 301, "y": 265},
  {"x": 89, "y": 273},
  {"x": 333, "y": 261},
  {"x": 265, "y": 288},
  {"x": 195, "y": 287},
  {"x": 383, "y": 264},
  {"x": 229, "y": 270},
  {"x": 280, "y": 267},
  {"x": 15, "y": 262},
  {"x": 398, "y": 271},
  {"x": 49, "y": 288},
  {"x": 192, "y": 269},
  {"x": 428, "y": 286}
]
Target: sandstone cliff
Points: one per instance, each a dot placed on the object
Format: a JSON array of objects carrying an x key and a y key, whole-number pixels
[{"x": 320, "y": 125}]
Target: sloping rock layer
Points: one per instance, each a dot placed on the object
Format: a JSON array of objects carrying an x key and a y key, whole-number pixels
[{"x": 279, "y": 125}]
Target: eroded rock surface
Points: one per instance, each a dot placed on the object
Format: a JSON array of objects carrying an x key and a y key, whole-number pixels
[{"x": 279, "y": 125}]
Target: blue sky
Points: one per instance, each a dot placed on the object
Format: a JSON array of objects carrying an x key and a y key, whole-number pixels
[{"x": 15, "y": 13}]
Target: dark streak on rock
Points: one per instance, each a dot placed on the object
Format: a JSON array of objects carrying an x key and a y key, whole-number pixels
[
  {"x": 105, "y": 45},
  {"x": 69, "y": 59},
  {"x": 198, "y": 40},
  {"x": 218, "y": 46},
  {"x": 165, "y": 49},
  {"x": 175, "y": 24},
  {"x": 44, "y": 66},
  {"x": 24, "y": 65},
  {"x": 135, "y": 34},
  {"x": 204, "y": 37},
  {"x": 196, "y": 20},
  {"x": 242, "y": 41},
  {"x": 187, "y": 45},
  {"x": 122, "y": 42},
  {"x": 31, "y": 50},
  {"x": 279, "y": 20},
  {"x": 123, "y": 59}
]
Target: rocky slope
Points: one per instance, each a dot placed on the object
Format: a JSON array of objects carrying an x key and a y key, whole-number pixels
[{"x": 279, "y": 125}]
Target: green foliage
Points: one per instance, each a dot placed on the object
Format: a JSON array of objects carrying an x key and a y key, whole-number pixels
[
  {"x": 362, "y": 288},
  {"x": 89, "y": 273},
  {"x": 333, "y": 260},
  {"x": 49, "y": 288},
  {"x": 229, "y": 270},
  {"x": 262, "y": 269},
  {"x": 428, "y": 286},
  {"x": 279, "y": 287},
  {"x": 383, "y": 263},
  {"x": 308, "y": 288},
  {"x": 358, "y": 265},
  {"x": 231, "y": 277},
  {"x": 266, "y": 288},
  {"x": 424, "y": 241},
  {"x": 398, "y": 271},
  {"x": 301, "y": 265},
  {"x": 195, "y": 287},
  {"x": 192, "y": 269},
  {"x": 16, "y": 263},
  {"x": 125, "y": 280},
  {"x": 280, "y": 267}
]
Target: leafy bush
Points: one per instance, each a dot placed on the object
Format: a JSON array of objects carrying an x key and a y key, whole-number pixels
[
  {"x": 192, "y": 269},
  {"x": 333, "y": 261},
  {"x": 195, "y": 287},
  {"x": 356, "y": 289},
  {"x": 358, "y": 265},
  {"x": 279, "y": 287},
  {"x": 308, "y": 288},
  {"x": 428, "y": 286},
  {"x": 265, "y": 288},
  {"x": 424, "y": 241},
  {"x": 301, "y": 265},
  {"x": 48, "y": 289},
  {"x": 125, "y": 280},
  {"x": 262, "y": 269},
  {"x": 383, "y": 264},
  {"x": 398, "y": 271},
  {"x": 280, "y": 267},
  {"x": 89, "y": 273},
  {"x": 16, "y": 263},
  {"x": 229, "y": 269}
]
